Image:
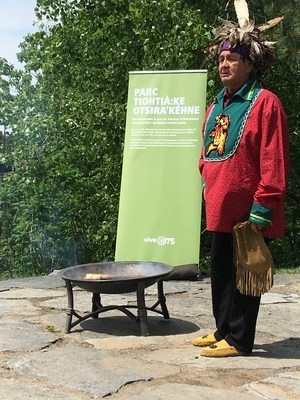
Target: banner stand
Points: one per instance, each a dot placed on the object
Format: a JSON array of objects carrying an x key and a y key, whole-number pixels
[
  {"x": 160, "y": 199},
  {"x": 184, "y": 271}
]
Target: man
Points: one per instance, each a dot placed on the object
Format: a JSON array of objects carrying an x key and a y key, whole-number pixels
[{"x": 244, "y": 167}]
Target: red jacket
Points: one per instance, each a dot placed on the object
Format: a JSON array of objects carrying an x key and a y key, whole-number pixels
[{"x": 251, "y": 183}]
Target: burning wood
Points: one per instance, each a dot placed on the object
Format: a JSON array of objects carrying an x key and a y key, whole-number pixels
[
  {"x": 98, "y": 276},
  {"x": 90, "y": 276}
]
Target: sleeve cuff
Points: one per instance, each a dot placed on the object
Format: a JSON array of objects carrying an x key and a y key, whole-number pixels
[{"x": 261, "y": 215}]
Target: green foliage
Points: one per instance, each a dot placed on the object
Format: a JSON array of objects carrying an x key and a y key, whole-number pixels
[
  {"x": 285, "y": 73},
  {"x": 61, "y": 199},
  {"x": 64, "y": 118}
]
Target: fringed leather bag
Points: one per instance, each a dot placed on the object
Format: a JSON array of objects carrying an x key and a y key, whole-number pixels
[{"x": 254, "y": 262}]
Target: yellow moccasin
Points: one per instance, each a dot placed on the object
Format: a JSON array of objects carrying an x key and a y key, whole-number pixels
[
  {"x": 221, "y": 349},
  {"x": 205, "y": 340}
]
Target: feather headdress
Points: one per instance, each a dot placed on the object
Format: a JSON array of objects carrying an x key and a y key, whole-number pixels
[{"x": 244, "y": 33}]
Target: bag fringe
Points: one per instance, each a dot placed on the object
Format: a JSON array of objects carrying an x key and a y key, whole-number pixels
[{"x": 252, "y": 284}]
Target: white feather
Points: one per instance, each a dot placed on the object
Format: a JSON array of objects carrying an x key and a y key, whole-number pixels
[
  {"x": 242, "y": 12},
  {"x": 256, "y": 48},
  {"x": 269, "y": 44},
  {"x": 270, "y": 23}
]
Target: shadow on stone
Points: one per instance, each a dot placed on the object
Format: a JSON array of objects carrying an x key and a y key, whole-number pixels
[
  {"x": 123, "y": 326},
  {"x": 284, "y": 349}
]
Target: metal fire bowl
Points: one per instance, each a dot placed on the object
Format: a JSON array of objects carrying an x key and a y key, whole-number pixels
[{"x": 124, "y": 276}]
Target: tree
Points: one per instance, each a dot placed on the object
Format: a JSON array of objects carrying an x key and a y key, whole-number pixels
[{"x": 66, "y": 116}]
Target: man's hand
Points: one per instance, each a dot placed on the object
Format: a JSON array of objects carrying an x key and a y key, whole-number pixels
[{"x": 256, "y": 227}]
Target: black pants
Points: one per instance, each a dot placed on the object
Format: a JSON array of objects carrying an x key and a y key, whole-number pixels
[{"x": 235, "y": 313}]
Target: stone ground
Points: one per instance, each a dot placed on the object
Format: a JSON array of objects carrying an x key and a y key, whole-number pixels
[{"x": 108, "y": 356}]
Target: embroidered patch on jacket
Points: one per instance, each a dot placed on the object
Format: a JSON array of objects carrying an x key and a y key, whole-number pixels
[
  {"x": 219, "y": 135},
  {"x": 223, "y": 132}
]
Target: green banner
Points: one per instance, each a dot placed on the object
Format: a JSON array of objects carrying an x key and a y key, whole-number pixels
[{"x": 160, "y": 199}]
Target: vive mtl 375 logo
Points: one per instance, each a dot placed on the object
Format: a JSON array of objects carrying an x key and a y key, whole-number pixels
[{"x": 160, "y": 240}]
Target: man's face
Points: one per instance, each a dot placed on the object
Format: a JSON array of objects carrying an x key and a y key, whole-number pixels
[{"x": 234, "y": 70}]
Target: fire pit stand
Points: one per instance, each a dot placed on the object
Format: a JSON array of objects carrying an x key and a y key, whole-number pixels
[{"x": 136, "y": 285}]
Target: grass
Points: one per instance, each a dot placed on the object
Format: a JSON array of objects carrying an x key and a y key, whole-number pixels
[{"x": 295, "y": 270}]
